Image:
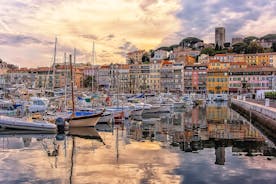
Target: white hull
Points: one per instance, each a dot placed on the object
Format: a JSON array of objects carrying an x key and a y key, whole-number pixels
[
  {"x": 84, "y": 122},
  {"x": 17, "y": 123},
  {"x": 179, "y": 105},
  {"x": 137, "y": 112}
]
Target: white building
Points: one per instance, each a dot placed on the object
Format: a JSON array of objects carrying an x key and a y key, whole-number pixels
[{"x": 160, "y": 55}]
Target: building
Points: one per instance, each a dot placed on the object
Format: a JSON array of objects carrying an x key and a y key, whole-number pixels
[
  {"x": 203, "y": 59},
  {"x": 251, "y": 79},
  {"x": 236, "y": 65},
  {"x": 220, "y": 36},
  {"x": 123, "y": 78},
  {"x": 166, "y": 76},
  {"x": 135, "y": 57},
  {"x": 223, "y": 57},
  {"x": 104, "y": 77},
  {"x": 160, "y": 55},
  {"x": 134, "y": 74},
  {"x": 180, "y": 54},
  {"x": 144, "y": 77},
  {"x": 217, "y": 77},
  {"x": 272, "y": 59},
  {"x": 178, "y": 78},
  {"x": 195, "y": 78},
  {"x": 237, "y": 40},
  {"x": 154, "y": 81}
]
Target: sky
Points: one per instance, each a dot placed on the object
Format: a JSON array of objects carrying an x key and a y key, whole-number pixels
[{"x": 28, "y": 28}]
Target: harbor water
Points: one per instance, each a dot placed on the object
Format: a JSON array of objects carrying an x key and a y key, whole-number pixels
[{"x": 204, "y": 144}]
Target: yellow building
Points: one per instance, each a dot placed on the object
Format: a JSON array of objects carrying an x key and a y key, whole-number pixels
[
  {"x": 263, "y": 59},
  {"x": 250, "y": 59},
  {"x": 238, "y": 58},
  {"x": 217, "y": 77},
  {"x": 189, "y": 60}
]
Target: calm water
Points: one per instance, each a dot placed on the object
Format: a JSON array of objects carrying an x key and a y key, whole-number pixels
[{"x": 211, "y": 144}]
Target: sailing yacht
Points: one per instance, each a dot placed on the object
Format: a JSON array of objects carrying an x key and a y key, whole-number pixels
[{"x": 81, "y": 118}]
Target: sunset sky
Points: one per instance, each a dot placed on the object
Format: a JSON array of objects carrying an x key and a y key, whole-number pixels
[{"x": 28, "y": 28}]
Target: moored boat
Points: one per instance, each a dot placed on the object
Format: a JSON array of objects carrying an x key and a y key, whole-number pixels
[
  {"x": 84, "y": 119},
  {"x": 23, "y": 124}
]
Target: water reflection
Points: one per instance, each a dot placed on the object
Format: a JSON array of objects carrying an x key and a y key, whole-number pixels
[{"x": 168, "y": 148}]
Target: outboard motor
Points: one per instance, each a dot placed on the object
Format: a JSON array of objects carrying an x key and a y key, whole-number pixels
[{"x": 60, "y": 123}]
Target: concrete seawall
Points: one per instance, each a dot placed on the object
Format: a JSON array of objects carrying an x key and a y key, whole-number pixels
[{"x": 261, "y": 116}]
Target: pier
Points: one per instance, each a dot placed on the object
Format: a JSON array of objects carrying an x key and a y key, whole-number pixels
[{"x": 261, "y": 115}]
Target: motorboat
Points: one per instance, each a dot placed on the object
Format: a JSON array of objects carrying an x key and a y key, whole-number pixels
[
  {"x": 26, "y": 124},
  {"x": 37, "y": 104}
]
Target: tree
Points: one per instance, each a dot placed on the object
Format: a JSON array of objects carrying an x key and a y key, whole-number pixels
[
  {"x": 217, "y": 46},
  {"x": 240, "y": 48},
  {"x": 273, "y": 47},
  {"x": 145, "y": 58},
  {"x": 249, "y": 39},
  {"x": 269, "y": 37},
  {"x": 227, "y": 44},
  {"x": 151, "y": 53},
  {"x": 254, "y": 47},
  {"x": 209, "y": 51},
  {"x": 88, "y": 81},
  {"x": 189, "y": 42}
]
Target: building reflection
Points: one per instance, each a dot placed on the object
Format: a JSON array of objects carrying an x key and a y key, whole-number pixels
[{"x": 213, "y": 126}]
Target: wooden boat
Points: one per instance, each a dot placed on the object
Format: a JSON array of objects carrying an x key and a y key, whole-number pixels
[{"x": 22, "y": 124}]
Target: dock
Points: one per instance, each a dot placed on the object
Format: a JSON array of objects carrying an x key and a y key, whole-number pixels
[{"x": 262, "y": 116}]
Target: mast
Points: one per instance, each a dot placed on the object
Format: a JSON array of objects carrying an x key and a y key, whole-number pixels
[
  {"x": 72, "y": 85},
  {"x": 66, "y": 76},
  {"x": 54, "y": 65},
  {"x": 75, "y": 52},
  {"x": 93, "y": 60}
]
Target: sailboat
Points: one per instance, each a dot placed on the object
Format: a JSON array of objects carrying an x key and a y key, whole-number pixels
[{"x": 81, "y": 118}]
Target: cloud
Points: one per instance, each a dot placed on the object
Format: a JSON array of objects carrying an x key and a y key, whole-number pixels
[
  {"x": 90, "y": 36},
  {"x": 77, "y": 23},
  {"x": 146, "y": 3},
  {"x": 122, "y": 25},
  {"x": 200, "y": 19},
  {"x": 15, "y": 40}
]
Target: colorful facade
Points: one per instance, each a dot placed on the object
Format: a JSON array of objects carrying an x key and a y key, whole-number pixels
[
  {"x": 251, "y": 79},
  {"x": 217, "y": 77},
  {"x": 195, "y": 77}
]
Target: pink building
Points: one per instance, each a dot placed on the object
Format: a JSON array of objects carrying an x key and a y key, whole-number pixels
[{"x": 251, "y": 79}]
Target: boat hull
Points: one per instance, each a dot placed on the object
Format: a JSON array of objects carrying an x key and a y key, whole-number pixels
[
  {"x": 20, "y": 124},
  {"x": 84, "y": 121},
  {"x": 105, "y": 118},
  {"x": 137, "y": 112}
]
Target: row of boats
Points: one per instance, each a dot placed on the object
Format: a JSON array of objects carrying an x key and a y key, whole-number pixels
[{"x": 48, "y": 114}]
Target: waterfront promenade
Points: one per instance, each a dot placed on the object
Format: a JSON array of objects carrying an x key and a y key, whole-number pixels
[
  {"x": 272, "y": 103},
  {"x": 265, "y": 117}
]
